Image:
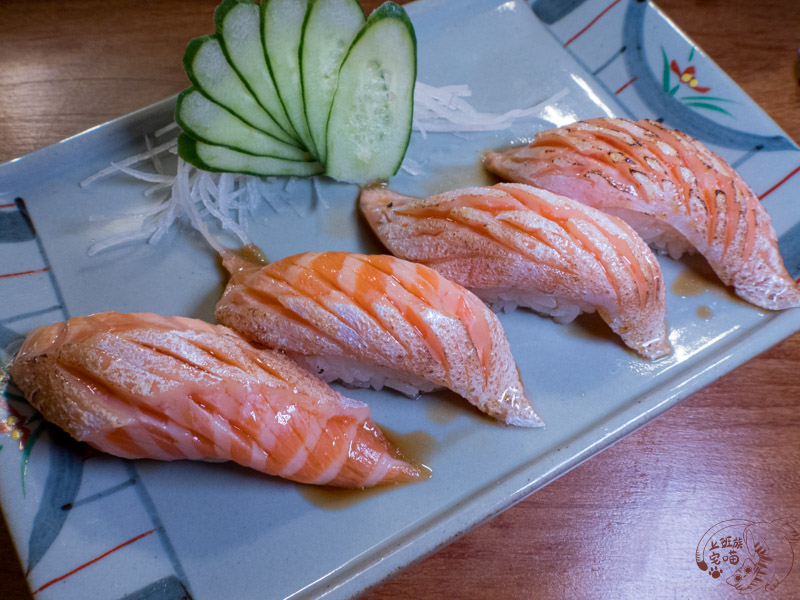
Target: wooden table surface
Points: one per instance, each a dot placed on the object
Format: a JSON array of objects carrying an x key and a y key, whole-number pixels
[{"x": 622, "y": 525}]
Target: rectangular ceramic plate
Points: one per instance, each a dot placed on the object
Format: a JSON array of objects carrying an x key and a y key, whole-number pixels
[{"x": 92, "y": 526}]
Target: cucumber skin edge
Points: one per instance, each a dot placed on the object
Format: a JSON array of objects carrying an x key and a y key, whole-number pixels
[
  {"x": 188, "y": 58},
  {"x": 219, "y": 16},
  {"x": 187, "y": 150},
  {"x": 398, "y": 12},
  {"x": 390, "y": 10},
  {"x": 187, "y": 144},
  {"x": 311, "y": 4},
  {"x": 262, "y": 8},
  {"x": 192, "y": 48},
  {"x": 395, "y": 11},
  {"x": 189, "y": 131},
  {"x": 261, "y": 11},
  {"x": 224, "y": 8}
]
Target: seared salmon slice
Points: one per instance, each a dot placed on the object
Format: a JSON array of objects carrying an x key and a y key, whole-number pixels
[
  {"x": 147, "y": 386},
  {"x": 513, "y": 244},
  {"x": 378, "y": 320},
  {"x": 673, "y": 190}
]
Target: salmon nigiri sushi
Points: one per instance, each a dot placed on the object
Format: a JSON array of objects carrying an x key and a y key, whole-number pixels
[
  {"x": 146, "y": 386},
  {"x": 513, "y": 244},
  {"x": 377, "y": 320},
  {"x": 672, "y": 189}
]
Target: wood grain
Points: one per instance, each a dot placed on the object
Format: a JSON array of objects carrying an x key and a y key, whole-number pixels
[{"x": 622, "y": 525}]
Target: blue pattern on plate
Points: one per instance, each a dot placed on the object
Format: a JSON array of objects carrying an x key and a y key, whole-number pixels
[
  {"x": 66, "y": 457},
  {"x": 60, "y": 488},
  {"x": 66, "y": 471}
]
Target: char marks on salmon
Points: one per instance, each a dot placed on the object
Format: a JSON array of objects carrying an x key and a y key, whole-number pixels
[
  {"x": 513, "y": 244},
  {"x": 672, "y": 189},
  {"x": 147, "y": 386},
  {"x": 378, "y": 320}
]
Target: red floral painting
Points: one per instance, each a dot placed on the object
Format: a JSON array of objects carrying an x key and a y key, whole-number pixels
[
  {"x": 686, "y": 81},
  {"x": 23, "y": 429}
]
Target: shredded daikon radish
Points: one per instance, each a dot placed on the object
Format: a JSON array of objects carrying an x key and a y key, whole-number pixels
[
  {"x": 443, "y": 109},
  {"x": 157, "y": 187},
  {"x": 318, "y": 193},
  {"x": 290, "y": 184},
  {"x": 257, "y": 187},
  {"x": 231, "y": 200},
  {"x": 122, "y": 238},
  {"x": 131, "y": 160},
  {"x": 144, "y": 176},
  {"x": 220, "y": 209},
  {"x": 165, "y": 130},
  {"x": 139, "y": 214},
  {"x": 154, "y": 157},
  {"x": 411, "y": 166},
  {"x": 184, "y": 183},
  {"x": 191, "y": 192}
]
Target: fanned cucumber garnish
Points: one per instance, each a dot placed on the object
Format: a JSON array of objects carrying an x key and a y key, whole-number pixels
[
  {"x": 209, "y": 122},
  {"x": 211, "y": 157},
  {"x": 210, "y": 72},
  {"x": 370, "y": 119},
  {"x": 281, "y": 31},
  {"x": 238, "y": 24},
  {"x": 329, "y": 29},
  {"x": 301, "y": 88}
]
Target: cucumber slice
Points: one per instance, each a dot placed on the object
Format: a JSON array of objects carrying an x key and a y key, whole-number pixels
[
  {"x": 209, "y": 71},
  {"x": 281, "y": 29},
  {"x": 206, "y": 120},
  {"x": 225, "y": 160},
  {"x": 238, "y": 24},
  {"x": 370, "y": 121},
  {"x": 328, "y": 31}
]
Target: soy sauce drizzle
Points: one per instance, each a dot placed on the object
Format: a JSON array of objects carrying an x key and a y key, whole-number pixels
[{"x": 415, "y": 447}]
